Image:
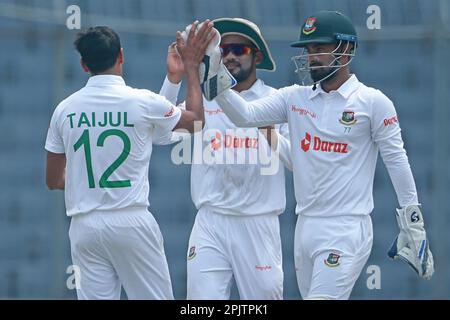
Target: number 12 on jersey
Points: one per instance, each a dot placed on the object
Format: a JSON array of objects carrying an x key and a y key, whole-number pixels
[{"x": 84, "y": 141}]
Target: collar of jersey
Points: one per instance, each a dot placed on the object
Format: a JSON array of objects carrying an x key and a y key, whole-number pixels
[
  {"x": 345, "y": 90},
  {"x": 105, "y": 80},
  {"x": 257, "y": 88}
]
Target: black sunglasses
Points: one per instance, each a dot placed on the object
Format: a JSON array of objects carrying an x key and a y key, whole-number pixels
[{"x": 238, "y": 49}]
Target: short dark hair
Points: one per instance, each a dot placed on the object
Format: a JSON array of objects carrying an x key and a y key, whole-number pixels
[{"x": 99, "y": 48}]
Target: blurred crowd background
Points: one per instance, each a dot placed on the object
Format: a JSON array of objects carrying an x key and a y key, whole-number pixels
[{"x": 407, "y": 58}]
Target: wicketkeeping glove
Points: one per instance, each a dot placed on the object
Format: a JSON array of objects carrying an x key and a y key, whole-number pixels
[
  {"x": 411, "y": 245},
  {"x": 214, "y": 76}
]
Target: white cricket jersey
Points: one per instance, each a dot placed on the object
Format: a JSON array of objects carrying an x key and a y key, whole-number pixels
[
  {"x": 229, "y": 179},
  {"x": 106, "y": 131},
  {"x": 335, "y": 139}
]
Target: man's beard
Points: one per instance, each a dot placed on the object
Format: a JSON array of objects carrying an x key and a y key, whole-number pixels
[
  {"x": 324, "y": 72},
  {"x": 242, "y": 74}
]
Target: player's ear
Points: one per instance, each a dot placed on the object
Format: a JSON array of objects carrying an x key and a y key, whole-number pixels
[
  {"x": 120, "y": 57},
  {"x": 84, "y": 66},
  {"x": 259, "y": 57}
]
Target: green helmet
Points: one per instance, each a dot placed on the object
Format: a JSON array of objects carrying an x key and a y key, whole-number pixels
[{"x": 326, "y": 27}]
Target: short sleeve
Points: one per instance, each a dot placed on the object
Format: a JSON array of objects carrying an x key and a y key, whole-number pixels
[
  {"x": 162, "y": 113},
  {"x": 54, "y": 142}
]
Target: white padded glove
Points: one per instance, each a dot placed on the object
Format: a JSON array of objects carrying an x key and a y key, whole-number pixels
[
  {"x": 411, "y": 245},
  {"x": 214, "y": 76}
]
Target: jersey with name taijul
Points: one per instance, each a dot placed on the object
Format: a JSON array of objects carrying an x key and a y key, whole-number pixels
[{"x": 106, "y": 130}]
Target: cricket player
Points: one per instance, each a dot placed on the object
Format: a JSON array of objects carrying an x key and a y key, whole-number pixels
[
  {"x": 236, "y": 233},
  {"x": 99, "y": 145},
  {"x": 337, "y": 127}
]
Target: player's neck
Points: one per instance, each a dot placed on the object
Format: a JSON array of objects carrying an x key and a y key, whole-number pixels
[
  {"x": 114, "y": 71},
  {"x": 246, "y": 84},
  {"x": 336, "y": 82}
]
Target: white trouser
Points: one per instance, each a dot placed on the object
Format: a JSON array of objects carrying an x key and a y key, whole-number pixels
[
  {"x": 246, "y": 247},
  {"x": 330, "y": 253},
  {"x": 123, "y": 247}
]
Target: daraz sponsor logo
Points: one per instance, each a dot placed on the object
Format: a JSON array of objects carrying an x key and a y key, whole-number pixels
[
  {"x": 234, "y": 142},
  {"x": 320, "y": 145}
]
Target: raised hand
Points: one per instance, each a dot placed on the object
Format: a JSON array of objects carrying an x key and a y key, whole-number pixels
[
  {"x": 175, "y": 66},
  {"x": 193, "y": 49}
]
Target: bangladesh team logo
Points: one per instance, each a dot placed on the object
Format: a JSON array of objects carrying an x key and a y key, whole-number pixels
[
  {"x": 192, "y": 253},
  {"x": 332, "y": 260},
  {"x": 309, "y": 26},
  {"x": 348, "y": 118}
]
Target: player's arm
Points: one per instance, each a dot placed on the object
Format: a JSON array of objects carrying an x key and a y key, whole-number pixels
[
  {"x": 192, "y": 52},
  {"x": 259, "y": 113},
  {"x": 386, "y": 133},
  {"x": 411, "y": 245},
  {"x": 175, "y": 73},
  {"x": 164, "y": 137},
  {"x": 169, "y": 90},
  {"x": 278, "y": 140},
  {"x": 263, "y": 112},
  {"x": 56, "y": 157},
  {"x": 271, "y": 136},
  {"x": 56, "y": 170},
  {"x": 284, "y": 146}
]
